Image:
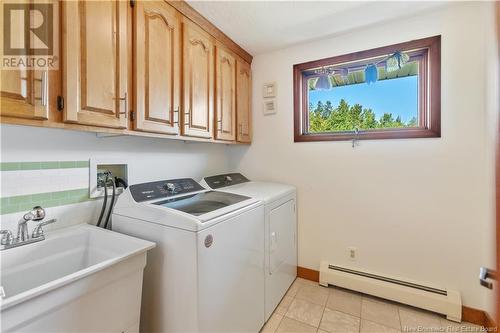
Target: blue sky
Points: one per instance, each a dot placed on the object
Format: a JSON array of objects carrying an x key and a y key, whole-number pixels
[{"x": 397, "y": 96}]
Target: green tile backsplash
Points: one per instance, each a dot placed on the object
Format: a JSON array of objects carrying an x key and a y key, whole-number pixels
[
  {"x": 26, "y": 202},
  {"x": 21, "y": 203},
  {"x": 13, "y": 166}
]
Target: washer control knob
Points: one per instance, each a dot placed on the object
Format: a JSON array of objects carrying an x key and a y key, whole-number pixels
[
  {"x": 170, "y": 187},
  {"x": 228, "y": 179}
]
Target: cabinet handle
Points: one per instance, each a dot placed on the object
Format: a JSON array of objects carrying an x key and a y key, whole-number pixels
[
  {"x": 241, "y": 129},
  {"x": 124, "y": 98},
  {"x": 45, "y": 89},
  {"x": 185, "y": 115},
  {"x": 176, "y": 111}
]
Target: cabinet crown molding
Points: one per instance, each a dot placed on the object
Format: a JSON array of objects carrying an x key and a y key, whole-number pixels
[{"x": 185, "y": 9}]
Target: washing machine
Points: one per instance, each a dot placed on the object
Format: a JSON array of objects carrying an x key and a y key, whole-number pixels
[
  {"x": 206, "y": 273},
  {"x": 280, "y": 229}
]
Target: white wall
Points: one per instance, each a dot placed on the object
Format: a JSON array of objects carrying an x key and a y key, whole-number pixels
[
  {"x": 148, "y": 159},
  {"x": 420, "y": 209}
]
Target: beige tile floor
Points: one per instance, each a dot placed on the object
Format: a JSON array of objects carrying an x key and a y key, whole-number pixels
[{"x": 308, "y": 307}]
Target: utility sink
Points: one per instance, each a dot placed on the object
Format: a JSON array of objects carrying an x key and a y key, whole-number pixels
[{"x": 81, "y": 278}]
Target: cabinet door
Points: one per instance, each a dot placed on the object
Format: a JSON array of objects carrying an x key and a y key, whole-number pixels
[
  {"x": 198, "y": 82},
  {"x": 157, "y": 67},
  {"x": 95, "y": 62},
  {"x": 225, "y": 103},
  {"x": 243, "y": 102},
  {"x": 282, "y": 228},
  {"x": 24, "y": 94}
]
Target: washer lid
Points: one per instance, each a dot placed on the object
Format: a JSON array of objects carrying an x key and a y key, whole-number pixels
[
  {"x": 202, "y": 203},
  {"x": 265, "y": 191}
]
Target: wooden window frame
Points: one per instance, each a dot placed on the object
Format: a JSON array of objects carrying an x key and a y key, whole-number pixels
[{"x": 429, "y": 94}]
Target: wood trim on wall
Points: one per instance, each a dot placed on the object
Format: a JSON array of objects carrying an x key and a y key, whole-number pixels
[
  {"x": 308, "y": 274},
  {"x": 497, "y": 171},
  {"x": 206, "y": 25},
  {"x": 478, "y": 317},
  {"x": 489, "y": 322},
  {"x": 471, "y": 315}
]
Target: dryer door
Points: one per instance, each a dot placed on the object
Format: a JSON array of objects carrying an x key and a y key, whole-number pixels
[{"x": 282, "y": 226}]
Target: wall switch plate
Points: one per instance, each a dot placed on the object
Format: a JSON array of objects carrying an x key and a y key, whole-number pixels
[
  {"x": 269, "y": 90},
  {"x": 270, "y": 106}
]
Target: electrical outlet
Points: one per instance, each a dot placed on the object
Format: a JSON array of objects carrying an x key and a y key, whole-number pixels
[{"x": 352, "y": 252}]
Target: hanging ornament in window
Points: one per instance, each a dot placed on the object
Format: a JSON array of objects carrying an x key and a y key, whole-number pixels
[
  {"x": 371, "y": 73},
  {"x": 396, "y": 61},
  {"x": 323, "y": 82},
  {"x": 344, "y": 74}
]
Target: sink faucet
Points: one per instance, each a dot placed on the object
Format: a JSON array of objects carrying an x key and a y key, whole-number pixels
[
  {"x": 36, "y": 214},
  {"x": 7, "y": 241}
]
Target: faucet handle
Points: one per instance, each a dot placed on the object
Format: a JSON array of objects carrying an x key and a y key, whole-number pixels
[
  {"x": 38, "y": 231},
  {"x": 7, "y": 237},
  {"x": 36, "y": 214}
]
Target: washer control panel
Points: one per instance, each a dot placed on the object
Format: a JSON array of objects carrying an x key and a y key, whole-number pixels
[
  {"x": 224, "y": 180},
  {"x": 163, "y": 189}
]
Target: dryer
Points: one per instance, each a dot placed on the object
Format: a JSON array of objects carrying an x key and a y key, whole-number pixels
[
  {"x": 280, "y": 229},
  {"x": 206, "y": 273}
]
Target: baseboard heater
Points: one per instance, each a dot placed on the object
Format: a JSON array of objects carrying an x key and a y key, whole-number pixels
[{"x": 444, "y": 301}]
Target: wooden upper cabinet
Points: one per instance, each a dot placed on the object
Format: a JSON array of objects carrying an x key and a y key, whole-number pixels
[
  {"x": 243, "y": 102},
  {"x": 198, "y": 82},
  {"x": 95, "y": 78},
  {"x": 24, "y": 94},
  {"x": 29, "y": 93},
  {"x": 225, "y": 87},
  {"x": 148, "y": 66},
  {"x": 157, "y": 67}
]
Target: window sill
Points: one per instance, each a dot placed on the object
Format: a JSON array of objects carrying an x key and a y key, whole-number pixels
[{"x": 369, "y": 135}]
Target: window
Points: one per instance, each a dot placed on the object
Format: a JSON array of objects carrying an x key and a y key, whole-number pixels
[{"x": 385, "y": 93}]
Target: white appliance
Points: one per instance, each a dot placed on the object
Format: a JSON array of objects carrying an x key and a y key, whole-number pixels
[
  {"x": 418, "y": 294},
  {"x": 206, "y": 273},
  {"x": 280, "y": 230}
]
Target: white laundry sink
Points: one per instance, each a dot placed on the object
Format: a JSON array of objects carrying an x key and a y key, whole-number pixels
[{"x": 81, "y": 278}]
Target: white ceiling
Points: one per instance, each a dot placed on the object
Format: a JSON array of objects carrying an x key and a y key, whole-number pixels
[{"x": 263, "y": 26}]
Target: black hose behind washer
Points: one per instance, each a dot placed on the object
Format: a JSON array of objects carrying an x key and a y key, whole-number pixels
[
  {"x": 104, "y": 202},
  {"x": 113, "y": 196}
]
